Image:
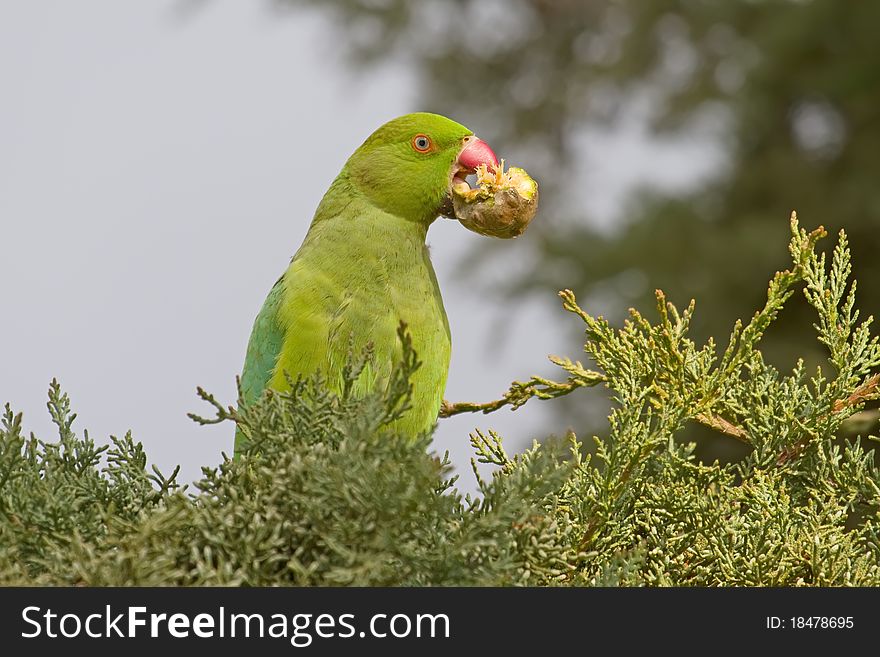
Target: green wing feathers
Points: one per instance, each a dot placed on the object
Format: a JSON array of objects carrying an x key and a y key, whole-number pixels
[{"x": 262, "y": 351}]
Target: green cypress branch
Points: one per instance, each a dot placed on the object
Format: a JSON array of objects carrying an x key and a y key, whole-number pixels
[{"x": 328, "y": 492}]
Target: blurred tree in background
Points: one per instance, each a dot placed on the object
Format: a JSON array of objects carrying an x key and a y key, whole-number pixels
[{"x": 790, "y": 90}]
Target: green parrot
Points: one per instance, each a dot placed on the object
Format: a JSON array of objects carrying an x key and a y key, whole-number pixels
[{"x": 364, "y": 267}]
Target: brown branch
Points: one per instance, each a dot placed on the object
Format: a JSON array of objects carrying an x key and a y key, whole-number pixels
[
  {"x": 726, "y": 427},
  {"x": 448, "y": 408},
  {"x": 520, "y": 392},
  {"x": 865, "y": 392}
]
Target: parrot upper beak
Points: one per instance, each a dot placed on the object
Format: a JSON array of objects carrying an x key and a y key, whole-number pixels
[{"x": 474, "y": 153}]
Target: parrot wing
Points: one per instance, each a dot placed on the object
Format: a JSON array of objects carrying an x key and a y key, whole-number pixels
[{"x": 262, "y": 351}]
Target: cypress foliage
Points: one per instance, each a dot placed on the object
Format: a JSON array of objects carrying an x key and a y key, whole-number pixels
[{"x": 328, "y": 494}]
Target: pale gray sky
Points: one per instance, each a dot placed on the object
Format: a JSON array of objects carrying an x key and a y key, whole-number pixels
[{"x": 156, "y": 175}]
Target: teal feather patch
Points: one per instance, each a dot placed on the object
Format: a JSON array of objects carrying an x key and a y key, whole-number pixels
[{"x": 262, "y": 351}]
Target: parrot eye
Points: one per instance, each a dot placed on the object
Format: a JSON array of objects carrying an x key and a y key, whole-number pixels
[{"x": 422, "y": 143}]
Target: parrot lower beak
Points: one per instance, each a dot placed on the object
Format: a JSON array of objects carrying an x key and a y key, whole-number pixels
[{"x": 474, "y": 153}]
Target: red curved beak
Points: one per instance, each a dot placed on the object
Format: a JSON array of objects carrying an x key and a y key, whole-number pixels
[{"x": 475, "y": 153}]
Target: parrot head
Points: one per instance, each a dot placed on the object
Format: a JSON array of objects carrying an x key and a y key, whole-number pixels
[{"x": 409, "y": 165}]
